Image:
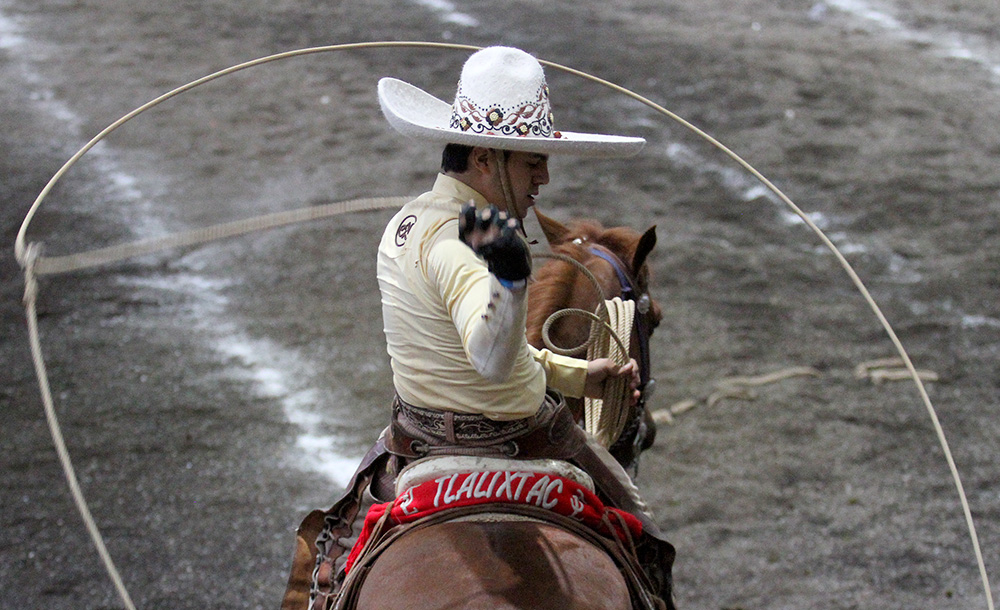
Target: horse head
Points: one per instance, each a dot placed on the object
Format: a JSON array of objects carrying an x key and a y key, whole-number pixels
[{"x": 617, "y": 258}]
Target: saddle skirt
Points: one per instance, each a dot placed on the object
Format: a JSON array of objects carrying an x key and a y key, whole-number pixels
[{"x": 454, "y": 483}]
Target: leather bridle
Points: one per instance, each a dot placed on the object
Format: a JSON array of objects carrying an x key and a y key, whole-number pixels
[{"x": 629, "y": 292}]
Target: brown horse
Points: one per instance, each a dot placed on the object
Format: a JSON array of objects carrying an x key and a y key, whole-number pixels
[
  {"x": 473, "y": 564},
  {"x": 523, "y": 559},
  {"x": 532, "y": 564},
  {"x": 617, "y": 259}
]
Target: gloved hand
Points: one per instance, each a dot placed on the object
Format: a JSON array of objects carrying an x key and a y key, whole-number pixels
[{"x": 493, "y": 235}]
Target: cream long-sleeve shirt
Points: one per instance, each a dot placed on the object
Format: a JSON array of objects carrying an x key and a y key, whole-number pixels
[{"x": 439, "y": 309}]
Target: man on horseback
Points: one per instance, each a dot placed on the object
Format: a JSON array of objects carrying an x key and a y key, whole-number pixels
[{"x": 453, "y": 274}]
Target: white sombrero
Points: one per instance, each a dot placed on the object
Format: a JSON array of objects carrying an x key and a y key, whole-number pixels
[{"x": 502, "y": 102}]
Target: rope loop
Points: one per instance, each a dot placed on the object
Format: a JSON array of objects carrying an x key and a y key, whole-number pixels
[
  {"x": 606, "y": 417},
  {"x": 29, "y": 258},
  {"x": 570, "y": 311},
  {"x": 565, "y": 351}
]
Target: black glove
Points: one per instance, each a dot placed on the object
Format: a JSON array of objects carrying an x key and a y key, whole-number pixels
[{"x": 506, "y": 255}]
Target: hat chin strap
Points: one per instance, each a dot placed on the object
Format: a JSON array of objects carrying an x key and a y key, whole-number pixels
[{"x": 503, "y": 177}]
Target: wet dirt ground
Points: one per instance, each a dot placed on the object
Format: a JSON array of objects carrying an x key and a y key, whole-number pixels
[{"x": 211, "y": 396}]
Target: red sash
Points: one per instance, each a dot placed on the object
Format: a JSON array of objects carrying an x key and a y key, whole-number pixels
[{"x": 555, "y": 493}]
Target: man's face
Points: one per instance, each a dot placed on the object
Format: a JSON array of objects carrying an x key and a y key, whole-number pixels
[{"x": 527, "y": 171}]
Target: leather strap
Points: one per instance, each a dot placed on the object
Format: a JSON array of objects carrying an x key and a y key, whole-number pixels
[
  {"x": 552, "y": 433},
  {"x": 330, "y": 525}
]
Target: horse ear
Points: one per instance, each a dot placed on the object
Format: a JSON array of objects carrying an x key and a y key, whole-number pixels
[
  {"x": 642, "y": 250},
  {"x": 555, "y": 232}
]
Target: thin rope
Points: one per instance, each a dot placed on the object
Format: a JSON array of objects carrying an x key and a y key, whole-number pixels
[
  {"x": 36, "y": 265},
  {"x": 561, "y": 313},
  {"x": 21, "y": 249},
  {"x": 105, "y": 256},
  {"x": 30, "y": 297},
  {"x": 914, "y": 375},
  {"x": 593, "y": 317},
  {"x": 604, "y": 417},
  {"x": 20, "y": 246}
]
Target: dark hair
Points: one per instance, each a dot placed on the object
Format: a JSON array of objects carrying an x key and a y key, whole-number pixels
[{"x": 455, "y": 158}]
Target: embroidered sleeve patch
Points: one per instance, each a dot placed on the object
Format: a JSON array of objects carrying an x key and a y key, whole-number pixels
[{"x": 403, "y": 230}]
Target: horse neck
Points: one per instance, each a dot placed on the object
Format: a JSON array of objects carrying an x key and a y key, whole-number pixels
[{"x": 560, "y": 285}]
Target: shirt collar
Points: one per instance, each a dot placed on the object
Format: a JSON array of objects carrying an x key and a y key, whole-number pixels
[{"x": 449, "y": 187}]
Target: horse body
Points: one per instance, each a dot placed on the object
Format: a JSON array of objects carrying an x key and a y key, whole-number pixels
[
  {"x": 525, "y": 563},
  {"x": 512, "y": 564}
]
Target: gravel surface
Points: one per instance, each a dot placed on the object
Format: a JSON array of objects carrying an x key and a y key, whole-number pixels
[{"x": 211, "y": 396}]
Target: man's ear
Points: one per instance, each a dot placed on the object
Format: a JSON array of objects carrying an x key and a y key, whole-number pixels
[{"x": 479, "y": 160}]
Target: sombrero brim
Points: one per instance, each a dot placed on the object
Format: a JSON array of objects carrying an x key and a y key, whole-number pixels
[{"x": 415, "y": 113}]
